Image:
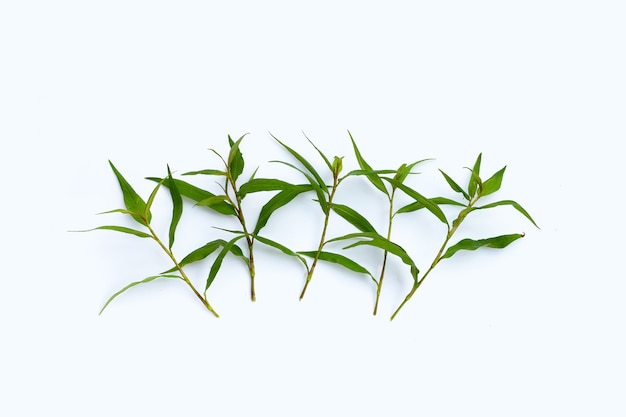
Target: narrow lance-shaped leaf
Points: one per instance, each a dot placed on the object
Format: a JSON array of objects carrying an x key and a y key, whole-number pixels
[
  {"x": 177, "y": 207},
  {"x": 281, "y": 248},
  {"x": 373, "y": 178},
  {"x": 235, "y": 158},
  {"x": 321, "y": 192},
  {"x": 120, "y": 229},
  {"x": 509, "y": 203},
  {"x": 151, "y": 199},
  {"x": 133, "y": 202},
  {"x": 376, "y": 240},
  {"x": 437, "y": 200},
  {"x": 143, "y": 281},
  {"x": 304, "y": 163},
  {"x": 200, "y": 253},
  {"x": 198, "y": 194},
  {"x": 353, "y": 217},
  {"x": 326, "y": 160},
  {"x": 217, "y": 264},
  {"x": 339, "y": 260},
  {"x": 475, "y": 177},
  {"x": 264, "y": 184},
  {"x": 493, "y": 184},
  {"x": 206, "y": 172},
  {"x": 497, "y": 242},
  {"x": 405, "y": 170},
  {"x": 276, "y": 202},
  {"x": 428, "y": 205},
  {"x": 456, "y": 187}
]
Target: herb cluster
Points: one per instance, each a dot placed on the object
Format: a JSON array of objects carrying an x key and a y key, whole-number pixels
[{"x": 231, "y": 191}]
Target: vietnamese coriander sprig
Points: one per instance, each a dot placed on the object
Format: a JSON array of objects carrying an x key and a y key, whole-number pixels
[
  {"x": 139, "y": 210},
  {"x": 230, "y": 203},
  {"x": 476, "y": 189}
]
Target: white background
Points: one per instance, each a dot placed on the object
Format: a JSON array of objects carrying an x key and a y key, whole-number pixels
[{"x": 535, "y": 329}]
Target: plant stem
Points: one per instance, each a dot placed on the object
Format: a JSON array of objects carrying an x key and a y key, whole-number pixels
[
  {"x": 382, "y": 270},
  {"x": 323, "y": 237},
  {"x": 182, "y": 272},
  {"x": 451, "y": 230},
  {"x": 249, "y": 239}
]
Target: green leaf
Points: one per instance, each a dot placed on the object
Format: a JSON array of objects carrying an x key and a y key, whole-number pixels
[
  {"x": 212, "y": 201},
  {"x": 235, "y": 158},
  {"x": 117, "y": 229},
  {"x": 281, "y": 248},
  {"x": 405, "y": 170},
  {"x": 509, "y": 203},
  {"x": 305, "y": 163},
  {"x": 265, "y": 184},
  {"x": 339, "y": 260},
  {"x": 217, "y": 264},
  {"x": 276, "y": 202},
  {"x": 428, "y": 204},
  {"x": 493, "y": 184},
  {"x": 474, "y": 180},
  {"x": 321, "y": 192},
  {"x": 132, "y": 201},
  {"x": 207, "y": 172},
  {"x": 177, "y": 207},
  {"x": 437, "y": 200},
  {"x": 381, "y": 242},
  {"x": 143, "y": 281},
  {"x": 353, "y": 217},
  {"x": 498, "y": 242},
  {"x": 373, "y": 177},
  {"x": 199, "y": 254},
  {"x": 456, "y": 187},
  {"x": 197, "y": 194},
  {"x": 151, "y": 200},
  {"x": 326, "y": 160}
]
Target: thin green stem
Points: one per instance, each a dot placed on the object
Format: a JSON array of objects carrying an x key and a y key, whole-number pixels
[
  {"x": 182, "y": 272},
  {"x": 249, "y": 239},
  {"x": 451, "y": 230},
  {"x": 385, "y": 255},
  {"x": 322, "y": 238}
]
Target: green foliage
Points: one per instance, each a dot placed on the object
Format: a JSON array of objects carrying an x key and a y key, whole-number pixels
[{"x": 321, "y": 180}]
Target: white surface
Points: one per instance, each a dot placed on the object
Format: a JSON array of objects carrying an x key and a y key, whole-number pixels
[{"x": 536, "y": 329}]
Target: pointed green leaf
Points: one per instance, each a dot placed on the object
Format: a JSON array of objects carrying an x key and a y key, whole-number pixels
[
  {"x": 217, "y": 264},
  {"x": 264, "y": 184},
  {"x": 117, "y": 229},
  {"x": 207, "y": 172},
  {"x": 197, "y": 194},
  {"x": 235, "y": 158},
  {"x": 493, "y": 184},
  {"x": 475, "y": 177},
  {"x": 326, "y": 160},
  {"x": 353, "y": 217},
  {"x": 428, "y": 204},
  {"x": 177, "y": 206},
  {"x": 376, "y": 240},
  {"x": 456, "y": 187},
  {"x": 373, "y": 178},
  {"x": 212, "y": 201},
  {"x": 143, "y": 281},
  {"x": 437, "y": 200},
  {"x": 132, "y": 201},
  {"x": 405, "y": 170},
  {"x": 339, "y": 260},
  {"x": 321, "y": 192},
  {"x": 199, "y": 254},
  {"x": 304, "y": 163},
  {"x": 146, "y": 213},
  {"x": 281, "y": 248},
  {"x": 276, "y": 202},
  {"x": 497, "y": 242},
  {"x": 509, "y": 203}
]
